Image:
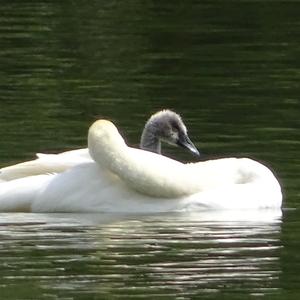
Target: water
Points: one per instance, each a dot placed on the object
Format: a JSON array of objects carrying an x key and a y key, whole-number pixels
[
  {"x": 231, "y": 69},
  {"x": 86, "y": 256}
]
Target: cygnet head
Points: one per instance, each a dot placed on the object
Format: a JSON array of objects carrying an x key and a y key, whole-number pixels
[{"x": 166, "y": 126}]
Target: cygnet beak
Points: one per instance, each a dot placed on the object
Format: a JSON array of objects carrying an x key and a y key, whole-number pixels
[{"x": 185, "y": 142}]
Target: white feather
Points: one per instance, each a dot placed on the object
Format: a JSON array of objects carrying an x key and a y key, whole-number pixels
[{"x": 123, "y": 179}]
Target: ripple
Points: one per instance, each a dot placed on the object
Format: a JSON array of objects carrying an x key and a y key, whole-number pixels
[{"x": 129, "y": 256}]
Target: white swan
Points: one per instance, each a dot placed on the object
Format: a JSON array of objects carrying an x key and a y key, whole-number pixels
[
  {"x": 124, "y": 179},
  {"x": 165, "y": 125}
]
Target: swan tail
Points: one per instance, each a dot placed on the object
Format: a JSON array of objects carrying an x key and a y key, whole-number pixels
[{"x": 18, "y": 195}]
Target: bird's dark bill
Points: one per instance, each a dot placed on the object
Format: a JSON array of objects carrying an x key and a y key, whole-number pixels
[{"x": 185, "y": 142}]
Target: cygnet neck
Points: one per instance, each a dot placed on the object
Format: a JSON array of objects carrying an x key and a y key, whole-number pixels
[{"x": 149, "y": 139}]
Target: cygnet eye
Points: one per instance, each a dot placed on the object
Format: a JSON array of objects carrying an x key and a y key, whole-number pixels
[
  {"x": 175, "y": 127},
  {"x": 174, "y": 135}
]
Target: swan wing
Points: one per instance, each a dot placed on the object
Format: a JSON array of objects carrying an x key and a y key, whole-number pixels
[
  {"x": 83, "y": 188},
  {"x": 45, "y": 164},
  {"x": 89, "y": 188}
]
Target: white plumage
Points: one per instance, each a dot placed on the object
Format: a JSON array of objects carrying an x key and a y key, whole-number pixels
[{"x": 123, "y": 179}]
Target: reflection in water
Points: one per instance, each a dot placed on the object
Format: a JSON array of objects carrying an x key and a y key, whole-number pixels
[{"x": 205, "y": 253}]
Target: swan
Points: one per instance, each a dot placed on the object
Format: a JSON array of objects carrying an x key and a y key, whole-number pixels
[
  {"x": 163, "y": 126},
  {"x": 122, "y": 179}
]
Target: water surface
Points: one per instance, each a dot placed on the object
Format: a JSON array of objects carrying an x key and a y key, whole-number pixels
[{"x": 176, "y": 255}]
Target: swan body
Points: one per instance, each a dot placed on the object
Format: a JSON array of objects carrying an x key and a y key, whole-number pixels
[{"x": 116, "y": 178}]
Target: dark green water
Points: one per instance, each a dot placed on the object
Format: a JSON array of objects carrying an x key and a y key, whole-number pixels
[{"x": 231, "y": 68}]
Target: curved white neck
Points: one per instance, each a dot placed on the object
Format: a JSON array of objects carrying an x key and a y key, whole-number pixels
[{"x": 146, "y": 172}]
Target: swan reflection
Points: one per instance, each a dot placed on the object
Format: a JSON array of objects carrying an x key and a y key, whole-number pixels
[{"x": 164, "y": 254}]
